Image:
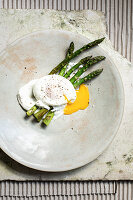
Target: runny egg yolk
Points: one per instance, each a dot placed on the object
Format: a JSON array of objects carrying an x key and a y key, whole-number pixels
[{"x": 81, "y": 102}]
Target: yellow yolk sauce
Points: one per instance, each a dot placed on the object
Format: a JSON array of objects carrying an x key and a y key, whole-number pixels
[{"x": 81, "y": 102}]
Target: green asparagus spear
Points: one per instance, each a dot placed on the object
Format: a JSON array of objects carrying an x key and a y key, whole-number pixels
[
  {"x": 68, "y": 54},
  {"x": 48, "y": 118},
  {"x": 88, "y": 77},
  {"x": 39, "y": 115},
  {"x": 31, "y": 111},
  {"x": 85, "y": 67},
  {"x": 76, "y": 53},
  {"x": 82, "y": 61}
]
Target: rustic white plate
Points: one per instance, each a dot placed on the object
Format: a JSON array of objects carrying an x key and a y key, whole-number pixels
[{"x": 70, "y": 141}]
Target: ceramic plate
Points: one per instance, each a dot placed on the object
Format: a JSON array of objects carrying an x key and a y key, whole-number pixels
[{"x": 70, "y": 141}]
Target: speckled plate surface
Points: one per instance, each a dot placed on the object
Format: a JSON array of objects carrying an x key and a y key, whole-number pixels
[{"x": 70, "y": 141}]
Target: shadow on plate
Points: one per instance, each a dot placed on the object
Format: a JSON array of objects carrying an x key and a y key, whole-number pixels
[{"x": 21, "y": 170}]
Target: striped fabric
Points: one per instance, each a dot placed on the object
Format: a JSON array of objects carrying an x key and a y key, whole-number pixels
[
  {"x": 122, "y": 190},
  {"x": 118, "y": 14},
  {"x": 39, "y": 188},
  {"x": 119, "y": 29}
]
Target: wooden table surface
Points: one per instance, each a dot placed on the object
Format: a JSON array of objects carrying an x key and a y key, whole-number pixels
[{"x": 119, "y": 28}]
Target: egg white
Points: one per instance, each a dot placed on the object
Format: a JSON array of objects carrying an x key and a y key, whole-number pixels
[{"x": 25, "y": 95}]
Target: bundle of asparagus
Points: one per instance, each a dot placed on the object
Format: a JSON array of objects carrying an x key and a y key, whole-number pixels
[{"x": 86, "y": 62}]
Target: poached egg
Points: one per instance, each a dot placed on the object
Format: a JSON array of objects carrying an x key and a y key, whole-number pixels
[{"x": 55, "y": 91}]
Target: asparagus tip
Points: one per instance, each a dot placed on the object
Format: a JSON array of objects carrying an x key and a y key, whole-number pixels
[
  {"x": 100, "y": 70},
  {"x": 102, "y": 39},
  {"x": 72, "y": 44},
  {"x": 86, "y": 59},
  {"x": 102, "y": 57}
]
